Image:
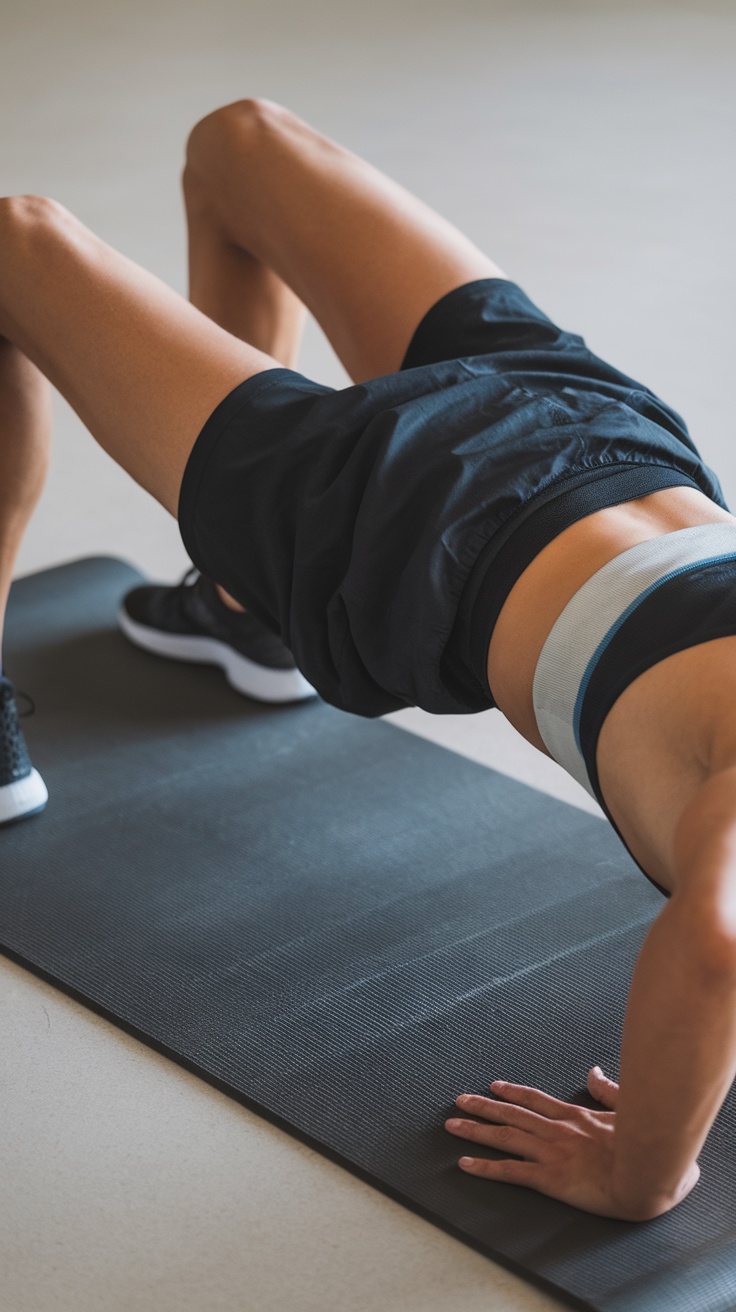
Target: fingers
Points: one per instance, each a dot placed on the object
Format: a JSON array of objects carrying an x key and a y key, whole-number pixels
[
  {"x": 503, "y": 1113},
  {"x": 503, "y": 1126},
  {"x": 541, "y": 1104},
  {"x": 533, "y": 1099},
  {"x": 506, "y": 1138},
  {"x": 509, "y": 1172},
  {"x": 605, "y": 1091}
]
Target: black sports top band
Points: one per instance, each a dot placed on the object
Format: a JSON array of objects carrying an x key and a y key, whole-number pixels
[{"x": 694, "y": 607}]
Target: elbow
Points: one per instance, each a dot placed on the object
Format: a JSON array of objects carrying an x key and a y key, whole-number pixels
[
  {"x": 707, "y": 931},
  {"x": 713, "y": 947}
]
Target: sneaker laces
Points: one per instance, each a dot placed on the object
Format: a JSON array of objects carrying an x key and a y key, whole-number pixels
[
  {"x": 181, "y": 592},
  {"x": 189, "y": 579}
]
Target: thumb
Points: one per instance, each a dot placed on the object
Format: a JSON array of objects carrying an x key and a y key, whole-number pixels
[{"x": 603, "y": 1090}]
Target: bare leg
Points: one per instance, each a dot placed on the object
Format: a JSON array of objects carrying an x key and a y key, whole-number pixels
[
  {"x": 274, "y": 204},
  {"x": 265, "y": 192},
  {"x": 287, "y": 215},
  {"x": 235, "y": 289},
  {"x": 238, "y": 292},
  {"x": 141, "y": 366},
  {"x": 25, "y": 425}
]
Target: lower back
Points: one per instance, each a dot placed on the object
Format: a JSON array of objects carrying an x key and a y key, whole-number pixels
[{"x": 541, "y": 593}]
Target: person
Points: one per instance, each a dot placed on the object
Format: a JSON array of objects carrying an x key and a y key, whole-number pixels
[{"x": 489, "y": 515}]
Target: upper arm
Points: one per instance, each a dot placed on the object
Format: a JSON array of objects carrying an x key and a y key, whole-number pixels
[
  {"x": 704, "y": 846},
  {"x": 656, "y": 764}
]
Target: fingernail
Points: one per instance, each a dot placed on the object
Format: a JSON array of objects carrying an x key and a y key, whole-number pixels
[
  {"x": 466, "y": 1161},
  {"x": 453, "y": 1123},
  {"x": 462, "y": 1099}
]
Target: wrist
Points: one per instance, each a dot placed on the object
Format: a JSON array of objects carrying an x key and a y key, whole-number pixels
[{"x": 635, "y": 1203}]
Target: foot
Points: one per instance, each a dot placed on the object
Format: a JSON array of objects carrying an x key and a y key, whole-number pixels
[
  {"x": 22, "y": 790},
  {"x": 190, "y": 622}
]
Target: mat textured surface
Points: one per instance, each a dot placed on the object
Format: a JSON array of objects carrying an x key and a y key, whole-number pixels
[{"x": 342, "y": 925}]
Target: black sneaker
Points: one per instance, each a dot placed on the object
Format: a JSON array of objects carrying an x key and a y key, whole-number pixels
[
  {"x": 22, "y": 790},
  {"x": 189, "y": 622}
]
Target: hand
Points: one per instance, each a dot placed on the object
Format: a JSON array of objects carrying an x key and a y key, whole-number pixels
[{"x": 567, "y": 1150}]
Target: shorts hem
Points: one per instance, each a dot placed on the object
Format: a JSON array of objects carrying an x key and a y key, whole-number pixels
[
  {"x": 205, "y": 443},
  {"x": 425, "y": 347}
]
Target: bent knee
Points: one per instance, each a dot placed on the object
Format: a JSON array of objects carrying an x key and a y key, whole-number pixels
[
  {"x": 244, "y": 125},
  {"x": 24, "y": 212}
]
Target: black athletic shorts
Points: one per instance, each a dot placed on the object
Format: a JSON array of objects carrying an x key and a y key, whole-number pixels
[{"x": 379, "y": 528}]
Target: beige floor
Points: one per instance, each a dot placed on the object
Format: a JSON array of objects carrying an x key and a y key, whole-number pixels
[{"x": 587, "y": 145}]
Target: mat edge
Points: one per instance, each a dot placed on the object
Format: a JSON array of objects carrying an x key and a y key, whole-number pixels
[{"x": 324, "y": 1150}]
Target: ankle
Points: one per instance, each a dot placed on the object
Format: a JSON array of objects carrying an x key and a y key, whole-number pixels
[{"x": 229, "y": 601}]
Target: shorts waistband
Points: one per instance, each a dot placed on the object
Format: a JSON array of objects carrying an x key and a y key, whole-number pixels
[{"x": 508, "y": 553}]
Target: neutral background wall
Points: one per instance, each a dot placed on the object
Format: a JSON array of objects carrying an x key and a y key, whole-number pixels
[{"x": 588, "y": 146}]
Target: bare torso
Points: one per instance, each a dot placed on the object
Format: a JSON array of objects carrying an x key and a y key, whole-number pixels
[{"x": 653, "y": 748}]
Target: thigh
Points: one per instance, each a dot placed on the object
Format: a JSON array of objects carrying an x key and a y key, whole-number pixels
[
  {"x": 141, "y": 366},
  {"x": 366, "y": 257}
]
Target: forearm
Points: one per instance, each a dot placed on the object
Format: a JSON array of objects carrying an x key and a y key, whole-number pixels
[
  {"x": 634, "y": 1155},
  {"x": 678, "y": 1058}
]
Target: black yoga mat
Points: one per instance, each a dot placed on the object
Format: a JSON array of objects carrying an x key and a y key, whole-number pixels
[{"x": 341, "y": 925}]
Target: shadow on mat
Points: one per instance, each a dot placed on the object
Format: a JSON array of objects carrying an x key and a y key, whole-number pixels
[{"x": 100, "y": 674}]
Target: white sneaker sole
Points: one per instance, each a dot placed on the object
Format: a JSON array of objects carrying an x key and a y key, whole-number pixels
[
  {"x": 24, "y": 797},
  {"x": 246, "y": 677}
]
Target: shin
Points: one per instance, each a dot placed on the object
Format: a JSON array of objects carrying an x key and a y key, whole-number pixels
[{"x": 25, "y": 433}]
